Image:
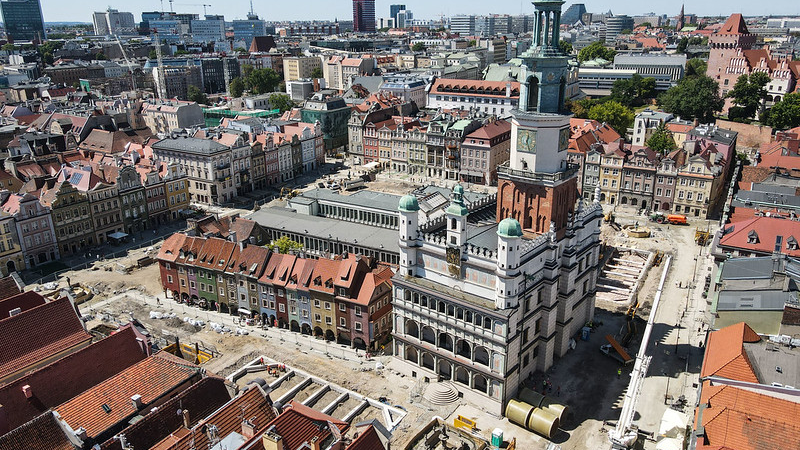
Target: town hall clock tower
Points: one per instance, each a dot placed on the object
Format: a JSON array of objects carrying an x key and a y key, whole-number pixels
[{"x": 536, "y": 186}]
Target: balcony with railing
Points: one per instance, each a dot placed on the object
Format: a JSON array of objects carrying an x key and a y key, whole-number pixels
[{"x": 504, "y": 171}]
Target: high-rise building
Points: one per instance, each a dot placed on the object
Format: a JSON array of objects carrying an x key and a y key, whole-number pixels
[
  {"x": 404, "y": 19},
  {"x": 112, "y": 22},
  {"x": 394, "y": 9},
  {"x": 23, "y": 20},
  {"x": 573, "y": 14},
  {"x": 364, "y": 16},
  {"x": 210, "y": 30},
  {"x": 246, "y": 30},
  {"x": 462, "y": 25},
  {"x": 615, "y": 25}
]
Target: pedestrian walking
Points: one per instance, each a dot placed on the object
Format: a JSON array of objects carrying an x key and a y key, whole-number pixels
[{"x": 619, "y": 373}]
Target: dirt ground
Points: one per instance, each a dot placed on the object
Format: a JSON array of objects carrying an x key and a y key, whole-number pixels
[{"x": 584, "y": 379}]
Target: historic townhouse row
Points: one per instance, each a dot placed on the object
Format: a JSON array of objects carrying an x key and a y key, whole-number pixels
[{"x": 346, "y": 299}]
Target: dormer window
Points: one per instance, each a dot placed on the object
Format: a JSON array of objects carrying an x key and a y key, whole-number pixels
[
  {"x": 791, "y": 243},
  {"x": 752, "y": 237}
]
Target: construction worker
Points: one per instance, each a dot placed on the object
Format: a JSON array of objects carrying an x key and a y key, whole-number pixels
[{"x": 619, "y": 373}]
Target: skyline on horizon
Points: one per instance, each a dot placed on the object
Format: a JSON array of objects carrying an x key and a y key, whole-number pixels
[{"x": 59, "y": 11}]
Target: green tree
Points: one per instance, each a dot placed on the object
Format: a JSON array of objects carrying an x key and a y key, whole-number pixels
[
  {"x": 193, "y": 94},
  {"x": 596, "y": 50},
  {"x": 281, "y": 101},
  {"x": 580, "y": 108},
  {"x": 646, "y": 24},
  {"x": 285, "y": 245},
  {"x": 9, "y": 47},
  {"x": 418, "y": 47},
  {"x": 696, "y": 67},
  {"x": 236, "y": 87},
  {"x": 152, "y": 54},
  {"x": 261, "y": 81},
  {"x": 614, "y": 114},
  {"x": 661, "y": 140},
  {"x": 634, "y": 90},
  {"x": 786, "y": 113},
  {"x": 693, "y": 98},
  {"x": 682, "y": 44},
  {"x": 100, "y": 56},
  {"x": 565, "y": 47},
  {"x": 473, "y": 43},
  {"x": 317, "y": 73},
  {"x": 749, "y": 92}
]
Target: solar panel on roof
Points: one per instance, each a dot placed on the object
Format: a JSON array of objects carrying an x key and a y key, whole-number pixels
[{"x": 76, "y": 178}]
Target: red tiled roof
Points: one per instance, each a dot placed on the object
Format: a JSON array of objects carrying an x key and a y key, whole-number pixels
[
  {"x": 252, "y": 260},
  {"x": 324, "y": 270},
  {"x": 171, "y": 247},
  {"x": 367, "y": 440},
  {"x": 152, "y": 378},
  {"x": 725, "y": 355},
  {"x": 9, "y": 287},
  {"x": 72, "y": 374},
  {"x": 251, "y": 404},
  {"x": 24, "y": 301},
  {"x": 376, "y": 283},
  {"x": 41, "y": 433},
  {"x": 200, "y": 400},
  {"x": 742, "y": 419},
  {"x": 38, "y": 334},
  {"x": 471, "y": 87},
  {"x": 734, "y": 25},
  {"x": 298, "y": 424},
  {"x": 491, "y": 130},
  {"x": 766, "y": 230}
]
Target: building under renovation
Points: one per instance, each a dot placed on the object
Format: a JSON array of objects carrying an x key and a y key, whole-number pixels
[{"x": 484, "y": 298}]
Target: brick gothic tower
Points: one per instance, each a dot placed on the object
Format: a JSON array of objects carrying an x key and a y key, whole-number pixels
[
  {"x": 537, "y": 187},
  {"x": 727, "y": 43}
]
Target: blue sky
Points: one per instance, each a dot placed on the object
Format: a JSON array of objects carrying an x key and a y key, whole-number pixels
[{"x": 61, "y": 10}]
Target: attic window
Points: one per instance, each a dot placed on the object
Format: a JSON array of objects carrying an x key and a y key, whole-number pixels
[
  {"x": 791, "y": 243},
  {"x": 318, "y": 281},
  {"x": 221, "y": 262},
  {"x": 329, "y": 283},
  {"x": 752, "y": 237},
  {"x": 253, "y": 267},
  {"x": 106, "y": 408}
]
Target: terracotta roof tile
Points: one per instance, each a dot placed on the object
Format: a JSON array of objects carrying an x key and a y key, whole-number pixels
[
  {"x": 24, "y": 301},
  {"x": 171, "y": 247},
  {"x": 734, "y": 25},
  {"x": 200, "y": 400},
  {"x": 765, "y": 230},
  {"x": 725, "y": 355},
  {"x": 324, "y": 270},
  {"x": 298, "y": 424},
  {"x": 367, "y": 440},
  {"x": 9, "y": 286},
  {"x": 38, "y": 334},
  {"x": 746, "y": 420},
  {"x": 152, "y": 378},
  {"x": 41, "y": 433},
  {"x": 73, "y": 374},
  {"x": 253, "y": 404}
]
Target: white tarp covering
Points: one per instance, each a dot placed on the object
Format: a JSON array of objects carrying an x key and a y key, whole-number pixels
[{"x": 673, "y": 425}]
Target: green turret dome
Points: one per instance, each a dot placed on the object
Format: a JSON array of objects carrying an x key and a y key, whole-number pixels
[
  {"x": 509, "y": 228},
  {"x": 457, "y": 202},
  {"x": 409, "y": 203}
]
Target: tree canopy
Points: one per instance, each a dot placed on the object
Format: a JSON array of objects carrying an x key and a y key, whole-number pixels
[
  {"x": 281, "y": 101},
  {"x": 614, "y": 114},
  {"x": 749, "y": 92},
  {"x": 261, "y": 81},
  {"x": 285, "y": 245},
  {"x": 418, "y": 47},
  {"x": 236, "y": 87},
  {"x": 596, "y": 50},
  {"x": 661, "y": 140},
  {"x": 634, "y": 90},
  {"x": 316, "y": 72},
  {"x": 696, "y": 67},
  {"x": 565, "y": 47},
  {"x": 194, "y": 94},
  {"x": 693, "y": 98},
  {"x": 786, "y": 113}
]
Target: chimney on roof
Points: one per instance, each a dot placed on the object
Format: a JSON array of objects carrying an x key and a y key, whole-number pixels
[
  {"x": 272, "y": 440},
  {"x": 27, "y": 389},
  {"x": 314, "y": 443},
  {"x": 80, "y": 433},
  {"x": 232, "y": 236},
  {"x": 137, "y": 401},
  {"x": 249, "y": 428},
  {"x": 185, "y": 414},
  {"x": 242, "y": 245}
]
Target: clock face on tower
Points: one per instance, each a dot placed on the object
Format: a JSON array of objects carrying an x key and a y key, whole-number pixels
[{"x": 526, "y": 141}]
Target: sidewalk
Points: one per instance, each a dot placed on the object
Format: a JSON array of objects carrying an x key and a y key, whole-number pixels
[{"x": 277, "y": 336}]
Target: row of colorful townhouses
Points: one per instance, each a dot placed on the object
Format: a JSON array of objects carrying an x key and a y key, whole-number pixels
[
  {"x": 347, "y": 299},
  {"x": 64, "y": 205},
  {"x": 687, "y": 180}
]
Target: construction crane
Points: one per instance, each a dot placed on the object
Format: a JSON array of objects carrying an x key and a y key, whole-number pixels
[
  {"x": 128, "y": 63},
  {"x": 161, "y": 88},
  {"x": 204, "y": 5}
]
